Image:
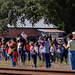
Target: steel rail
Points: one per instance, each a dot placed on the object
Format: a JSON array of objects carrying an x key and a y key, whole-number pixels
[{"x": 33, "y": 71}]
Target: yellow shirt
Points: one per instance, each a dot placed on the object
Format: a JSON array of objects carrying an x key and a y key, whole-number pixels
[{"x": 71, "y": 45}]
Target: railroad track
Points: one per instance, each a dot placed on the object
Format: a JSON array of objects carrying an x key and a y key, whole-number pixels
[{"x": 33, "y": 71}]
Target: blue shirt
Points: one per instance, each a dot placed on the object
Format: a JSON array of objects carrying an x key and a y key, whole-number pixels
[{"x": 46, "y": 47}]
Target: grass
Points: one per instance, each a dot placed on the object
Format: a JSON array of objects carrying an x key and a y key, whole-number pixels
[{"x": 40, "y": 64}]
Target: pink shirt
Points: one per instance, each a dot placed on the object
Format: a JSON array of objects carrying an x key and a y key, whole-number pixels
[
  {"x": 41, "y": 48},
  {"x": 31, "y": 49}
]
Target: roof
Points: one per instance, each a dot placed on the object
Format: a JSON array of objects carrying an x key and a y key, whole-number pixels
[
  {"x": 39, "y": 24},
  {"x": 73, "y": 33},
  {"x": 14, "y": 33},
  {"x": 51, "y": 30}
]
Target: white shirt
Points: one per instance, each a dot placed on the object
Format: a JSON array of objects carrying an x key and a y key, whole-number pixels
[
  {"x": 71, "y": 45},
  {"x": 58, "y": 50},
  {"x": 51, "y": 49},
  {"x": 41, "y": 49},
  {"x": 36, "y": 49},
  {"x": 19, "y": 46}
]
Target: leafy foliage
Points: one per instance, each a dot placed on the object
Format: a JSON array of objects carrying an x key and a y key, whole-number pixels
[{"x": 52, "y": 11}]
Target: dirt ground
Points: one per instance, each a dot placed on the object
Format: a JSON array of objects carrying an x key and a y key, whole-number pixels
[{"x": 60, "y": 66}]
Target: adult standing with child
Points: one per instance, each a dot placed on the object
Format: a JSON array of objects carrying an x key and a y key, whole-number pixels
[{"x": 12, "y": 47}]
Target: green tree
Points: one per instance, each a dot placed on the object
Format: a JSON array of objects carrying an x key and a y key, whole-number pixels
[{"x": 52, "y": 11}]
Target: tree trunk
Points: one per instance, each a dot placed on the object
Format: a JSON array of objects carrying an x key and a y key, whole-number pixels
[{"x": 63, "y": 25}]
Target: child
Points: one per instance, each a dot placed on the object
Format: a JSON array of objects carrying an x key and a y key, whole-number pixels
[
  {"x": 15, "y": 57},
  {"x": 36, "y": 48},
  {"x": 58, "y": 53},
  {"x": 28, "y": 50},
  {"x": 7, "y": 55},
  {"x": 33, "y": 54},
  {"x": 52, "y": 52},
  {"x": 41, "y": 50},
  {"x": 3, "y": 52}
]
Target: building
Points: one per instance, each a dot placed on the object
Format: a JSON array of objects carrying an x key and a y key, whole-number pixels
[
  {"x": 54, "y": 32},
  {"x": 39, "y": 29}
]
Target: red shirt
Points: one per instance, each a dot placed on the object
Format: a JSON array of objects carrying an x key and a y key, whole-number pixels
[
  {"x": 28, "y": 47},
  {"x": 15, "y": 57},
  {"x": 7, "y": 50}
]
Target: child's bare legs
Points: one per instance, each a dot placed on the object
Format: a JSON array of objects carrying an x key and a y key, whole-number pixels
[{"x": 3, "y": 58}]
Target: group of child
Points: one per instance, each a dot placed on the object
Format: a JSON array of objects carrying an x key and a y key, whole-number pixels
[{"x": 46, "y": 49}]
